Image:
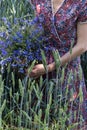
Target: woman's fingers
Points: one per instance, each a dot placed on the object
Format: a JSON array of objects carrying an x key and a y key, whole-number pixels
[{"x": 37, "y": 71}]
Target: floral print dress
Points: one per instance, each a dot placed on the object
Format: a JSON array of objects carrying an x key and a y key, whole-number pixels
[{"x": 62, "y": 32}]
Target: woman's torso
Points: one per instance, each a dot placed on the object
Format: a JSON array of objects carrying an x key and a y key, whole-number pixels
[{"x": 62, "y": 26}]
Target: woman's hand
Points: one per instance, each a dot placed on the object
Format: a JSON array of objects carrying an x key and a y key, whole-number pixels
[{"x": 39, "y": 70}]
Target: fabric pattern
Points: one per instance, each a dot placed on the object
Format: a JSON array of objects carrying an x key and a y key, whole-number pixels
[{"x": 61, "y": 30}]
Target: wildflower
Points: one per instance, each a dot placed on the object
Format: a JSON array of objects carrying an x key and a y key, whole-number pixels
[{"x": 3, "y": 34}]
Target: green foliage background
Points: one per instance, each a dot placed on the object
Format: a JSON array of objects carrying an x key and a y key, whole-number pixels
[{"x": 15, "y": 9}]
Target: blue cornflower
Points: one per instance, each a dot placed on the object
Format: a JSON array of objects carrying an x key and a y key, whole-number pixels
[
  {"x": 14, "y": 65},
  {"x": 28, "y": 42},
  {"x": 9, "y": 59},
  {"x": 15, "y": 53},
  {"x": 3, "y": 34},
  {"x": 6, "y": 22},
  {"x": 15, "y": 20},
  {"x": 21, "y": 70},
  {"x": 4, "y": 19},
  {"x": 19, "y": 34},
  {"x": 8, "y": 42},
  {"x": 5, "y": 61},
  {"x": 15, "y": 38},
  {"x": 30, "y": 56},
  {"x": 4, "y": 52},
  {"x": 34, "y": 21},
  {"x": 38, "y": 56}
]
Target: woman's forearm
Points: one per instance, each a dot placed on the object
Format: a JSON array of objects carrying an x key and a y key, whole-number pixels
[
  {"x": 76, "y": 51},
  {"x": 69, "y": 56}
]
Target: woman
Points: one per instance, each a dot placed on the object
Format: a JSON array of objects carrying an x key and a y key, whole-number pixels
[{"x": 66, "y": 21}]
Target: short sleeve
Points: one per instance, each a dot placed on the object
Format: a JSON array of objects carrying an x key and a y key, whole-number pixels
[{"x": 82, "y": 18}]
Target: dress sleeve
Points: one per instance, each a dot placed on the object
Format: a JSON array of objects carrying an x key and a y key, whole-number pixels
[{"x": 83, "y": 12}]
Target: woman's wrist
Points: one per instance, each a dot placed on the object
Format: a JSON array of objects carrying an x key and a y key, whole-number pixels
[{"x": 51, "y": 67}]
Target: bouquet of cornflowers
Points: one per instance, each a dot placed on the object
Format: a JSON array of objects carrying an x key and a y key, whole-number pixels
[{"x": 21, "y": 43}]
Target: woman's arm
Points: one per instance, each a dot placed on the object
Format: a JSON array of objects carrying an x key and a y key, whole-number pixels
[{"x": 77, "y": 50}]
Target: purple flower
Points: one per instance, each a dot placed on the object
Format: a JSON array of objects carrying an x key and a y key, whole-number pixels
[
  {"x": 15, "y": 20},
  {"x": 3, "y": 34},
  {"x": 4, "y": 19},
  {"x": 19, "y": 35},
  {"x": 4, "y": 52}
]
